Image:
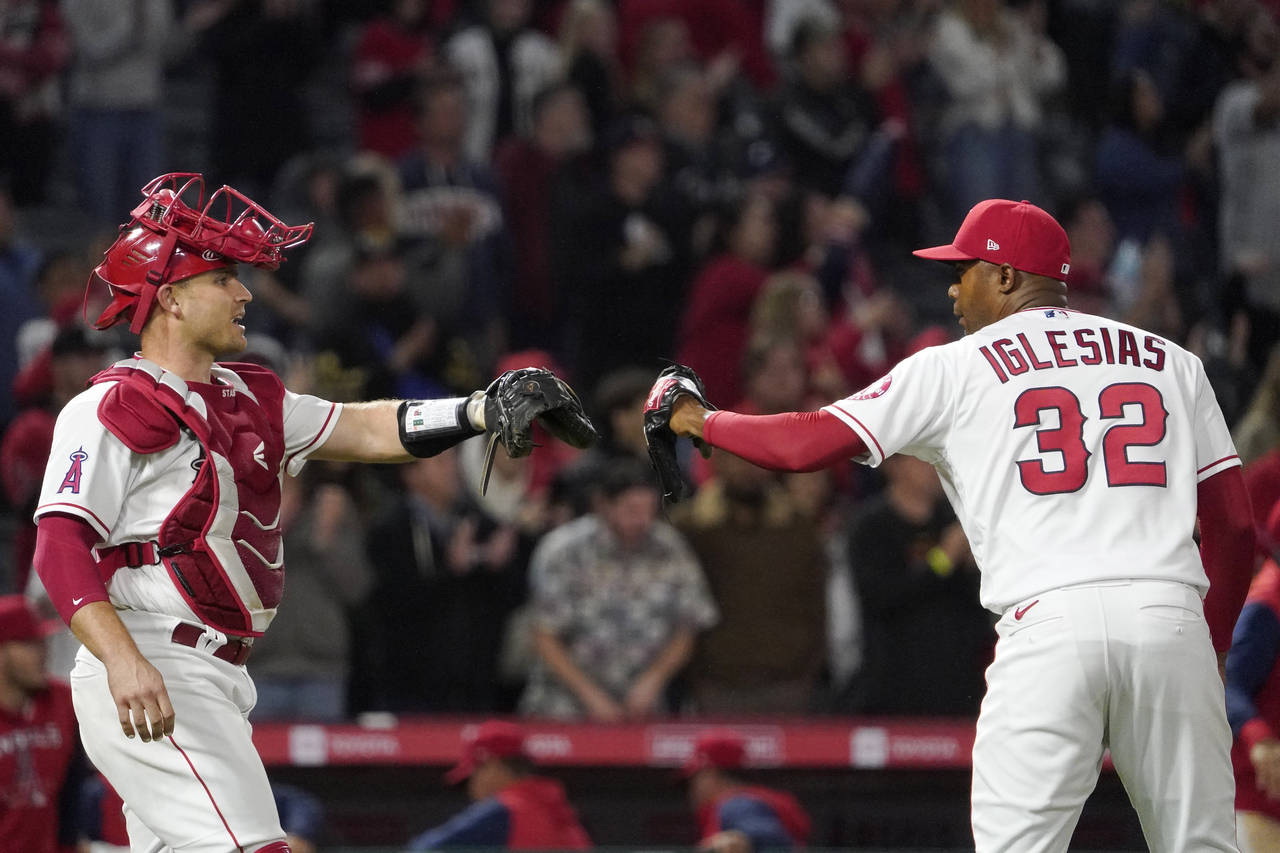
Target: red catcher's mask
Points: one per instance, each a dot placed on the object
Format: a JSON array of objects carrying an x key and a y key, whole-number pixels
[{"x": 175, "y": 234}]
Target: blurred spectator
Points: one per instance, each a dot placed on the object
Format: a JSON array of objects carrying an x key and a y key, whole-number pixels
[
  {"x": 57, "y": 374},
  {"x": 394, "y": 53},
  {"x": 301, "y": 670},
  {"x": 618, "y": 414},
  {"x": 998, "y": 69},
  {"x": 660, "y": 44},
  {"x": 824, "y": 118},
  {"x": 512, "y": 808},
  {"x": 1247, "y": 136},
  {"x": 365, "y": 202},
  {"x": 918, "y": 587},
  {"x": 1092, "y": 234},
  {"x": 1137, "y": 175},
  {"x": 790, "y": 306},
  {"x": 262, "y": 54},
  {"x": 733, "y": 816},
  {"x": 726, "y": 35},
  {"x": 1257, "y": 432},
  {"x": 697, "y": 169},
  {"x": 378, "y": 327},
  {"x": 40, "y": 767},
  {"x": 115, "y": 89},
  {"x": 19, "y": 263},
  {"x": 34, "y": 49},
  {"x": 452, "y": 208},
  {"x": 764, "y": 563},
  {"x": 1253, "y": 700},
  {"x": 619, "y": 256},
  {"x": 618, "y": 601},
  {"x": 713, "y": 331},
  {"x": 527, "y": 168},
  {"x": 589, "y": 50},
  {"x": 504, "y": 63},
  {"x": 445, "y": 586}
]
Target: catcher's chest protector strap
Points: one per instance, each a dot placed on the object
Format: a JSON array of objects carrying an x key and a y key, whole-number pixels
[{"x": 221, "y": 542}]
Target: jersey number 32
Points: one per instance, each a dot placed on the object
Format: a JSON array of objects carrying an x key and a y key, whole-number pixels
[{"x": 1067, "y": 438}]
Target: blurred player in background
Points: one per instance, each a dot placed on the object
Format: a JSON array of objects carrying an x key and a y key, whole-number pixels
[
  {"x": 512, "y": 808},
  {"x": 40, "y": 771},
  {"x": 1253, "y": 702},
  {"x": 734, "y": 817},
  {"x": 1078, "y": 454}
]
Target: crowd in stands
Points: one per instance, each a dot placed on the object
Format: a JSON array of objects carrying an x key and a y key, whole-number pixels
[{"x": 595, "y": 186}]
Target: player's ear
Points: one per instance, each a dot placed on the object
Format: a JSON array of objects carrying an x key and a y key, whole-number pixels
[
  {"x": 168, "y": 301},
  {"x": 1008, "y": 278}
]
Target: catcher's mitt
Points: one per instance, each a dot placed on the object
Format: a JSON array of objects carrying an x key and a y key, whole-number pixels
[
  {"x": 517, "y": 398},
  {"x": 672, "y": 383}
]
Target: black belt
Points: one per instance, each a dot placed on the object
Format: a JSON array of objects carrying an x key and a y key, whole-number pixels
[{"x": 234, "y": 650}]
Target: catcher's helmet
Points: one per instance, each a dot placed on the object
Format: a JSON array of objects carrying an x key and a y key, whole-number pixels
[{"x": 168, "y": 239}]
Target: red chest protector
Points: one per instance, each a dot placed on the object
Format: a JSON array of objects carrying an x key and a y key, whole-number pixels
[{"x": 221, "y": 542}]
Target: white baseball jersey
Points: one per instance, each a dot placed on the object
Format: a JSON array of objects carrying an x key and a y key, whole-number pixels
[
  {"x": 126, "y": 496},
  {"x": 1070, "y": 446}
]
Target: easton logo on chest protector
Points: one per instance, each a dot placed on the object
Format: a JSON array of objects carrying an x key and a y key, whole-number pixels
[{"x": 74, "y": 473}]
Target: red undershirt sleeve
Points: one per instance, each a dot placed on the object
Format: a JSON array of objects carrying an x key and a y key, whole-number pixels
[
  {"x": 64, "y": 561},
  {"x": 1226, "y": 549},
  {"x": 792, "y": 441}
]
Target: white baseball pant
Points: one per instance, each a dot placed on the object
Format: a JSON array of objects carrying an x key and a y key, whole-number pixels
[
  {"x": 204, "y": 790},
  {"x": 1127, "y": 665}
]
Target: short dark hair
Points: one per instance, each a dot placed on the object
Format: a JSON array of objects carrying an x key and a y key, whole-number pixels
[{"x": 623, "y": 474}]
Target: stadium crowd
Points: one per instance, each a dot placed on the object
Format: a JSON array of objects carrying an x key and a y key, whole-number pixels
[{"x": 596, "y": 186}]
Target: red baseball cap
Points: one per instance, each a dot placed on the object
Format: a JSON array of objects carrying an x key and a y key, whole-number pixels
[
  {"x": 721, "y": 748},
  {"x": 19, "y": 621},
  {"x": 490, "y": 739},
  {"x": 1016, "y": 233}
]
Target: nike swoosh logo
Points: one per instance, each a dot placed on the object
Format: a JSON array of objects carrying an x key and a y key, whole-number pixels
[
  {"x": 1022, "y": 611},
  {"x": 77, "y": 600}
]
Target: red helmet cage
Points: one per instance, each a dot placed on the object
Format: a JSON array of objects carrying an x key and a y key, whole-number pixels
[{"x": 168, "y": 239}]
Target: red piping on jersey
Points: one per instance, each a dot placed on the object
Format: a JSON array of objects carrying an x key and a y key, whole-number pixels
[
  {"x": 212, "y": 801},
  {"x": 333, "y": 407},
  {"x": 869, "y": 433},
  {"x": 1218, "y": 462},
  {"x": 43, "y": 507}
]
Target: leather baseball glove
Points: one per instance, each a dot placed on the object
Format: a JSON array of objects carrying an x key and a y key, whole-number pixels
[
  {"x": 517, "y": 398},
  {"x": 672, "y": 383}
]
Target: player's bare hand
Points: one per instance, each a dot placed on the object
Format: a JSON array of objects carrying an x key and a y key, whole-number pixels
[
  {"x": 728, "y": 841},
  {"x": 601, "y": 707},
  {"x": 687, "y": 417},
  {"x": 1265, "y": 757},
  {"x": 141, "y": 698},
  {"x": 642, "y": 698}
]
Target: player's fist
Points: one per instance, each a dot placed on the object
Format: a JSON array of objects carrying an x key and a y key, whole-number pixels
[
  {"x": 1265, "y": 758},
  {"x": 672, "y": 385}
]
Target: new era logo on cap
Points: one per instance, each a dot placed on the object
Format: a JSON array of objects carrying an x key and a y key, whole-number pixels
[{"x": 1016, "y": 233}]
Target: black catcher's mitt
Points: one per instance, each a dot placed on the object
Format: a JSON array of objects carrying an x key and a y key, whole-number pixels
[
  {"x": 517, "y": 398},
  {"x": 672, "y": 383}
]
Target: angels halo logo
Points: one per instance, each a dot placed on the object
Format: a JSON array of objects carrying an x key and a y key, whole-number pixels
[
  {"x": 875, "y": 389},
  {"x": 210, "y": 255}
]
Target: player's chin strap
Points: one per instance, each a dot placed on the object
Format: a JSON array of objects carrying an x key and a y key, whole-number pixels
[{"x": 155, "y": 278}]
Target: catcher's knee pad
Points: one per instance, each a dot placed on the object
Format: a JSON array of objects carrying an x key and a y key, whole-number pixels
[{"x": 274, "y": 847}]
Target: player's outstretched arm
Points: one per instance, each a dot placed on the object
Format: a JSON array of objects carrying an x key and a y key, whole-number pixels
[{"x": 400, "y": 430}]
